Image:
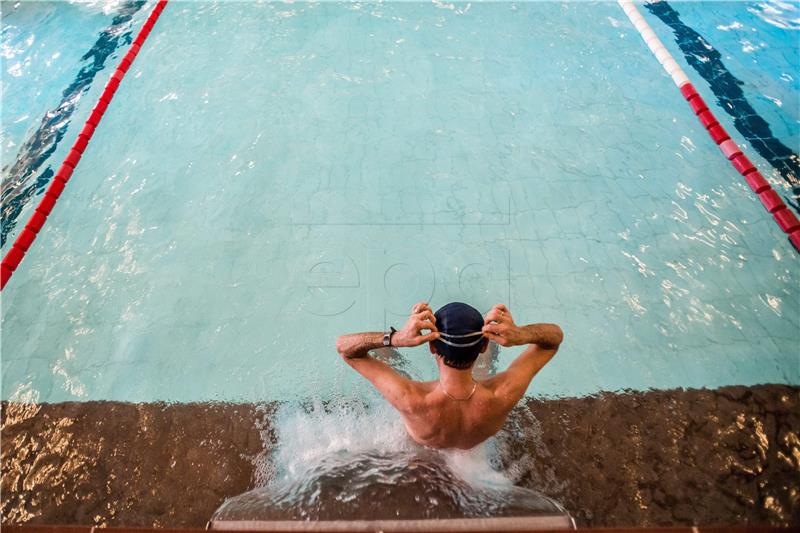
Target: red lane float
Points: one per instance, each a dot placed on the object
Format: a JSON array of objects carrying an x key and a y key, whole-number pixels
[
  {"x": 28, "y": 234},
  {"x": 80, "y": 144},
  {"x": 718, "y": 133},
  {"x": 785, "y": 218},
  {"x": 25, "y": 239},
  {"x": 87, "y": 131},
  {"x": 795, "y": 238},
  {"x": 36, "y": 222},
  {"x": 698, "y": 105},
  {"x": 743, "y": 164},
  {"x": 707, "y": 118},
  {"x": 730, "y": 149},
  {"x": 770, "y": 199},
  {"x": 756, "y": 182}
]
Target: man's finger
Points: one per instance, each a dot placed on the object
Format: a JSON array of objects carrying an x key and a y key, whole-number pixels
[
  {"x": 430, "y": 336},
  {"x": 502, "y": 310},
  {"x": 497, "y": 329},
  {"x": 426, "y": 315},
  {"x": 419, "y": 306},
  {"x": 496, "y": 338},
  {"x": 425, "y": 324},
  {"x": 494, "y": 316}
]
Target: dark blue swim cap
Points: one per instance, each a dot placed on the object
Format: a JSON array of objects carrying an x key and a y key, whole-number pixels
[{"x": 460, "y": 339}]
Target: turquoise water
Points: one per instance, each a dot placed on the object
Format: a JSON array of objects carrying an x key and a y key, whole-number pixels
[
  {"x": 41, "y": 46},
  {"x": 270, "y": 176},
  {"x": 759, "y": 44}
]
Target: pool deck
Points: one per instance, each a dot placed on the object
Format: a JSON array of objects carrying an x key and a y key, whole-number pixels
[
  {"x": 93, "y": 529},
  {"x": 657, "y": 458}
]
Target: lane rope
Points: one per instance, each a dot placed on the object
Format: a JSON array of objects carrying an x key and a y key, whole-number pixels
[
  {"x": 770, "y": 199},
  {"x": 28, "y": 234}
]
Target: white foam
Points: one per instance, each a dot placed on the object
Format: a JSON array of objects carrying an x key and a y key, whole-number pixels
[
  {"x": 106, "y": 7},
  {"x": 306, "y": 436},
  {"x": 783, "y": 15}
]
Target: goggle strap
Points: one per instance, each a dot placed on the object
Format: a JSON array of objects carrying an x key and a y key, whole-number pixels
[{"x": 466, "y": 335}]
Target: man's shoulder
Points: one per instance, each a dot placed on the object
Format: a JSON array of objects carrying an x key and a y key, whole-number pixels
[
  {"x": 416, "y": 395},
  {"x": 424, "y": 385},
  {"x": 492, "y": 383},
  {"x": 421, "y": 389},
  {"x": 496, "y": 387}
]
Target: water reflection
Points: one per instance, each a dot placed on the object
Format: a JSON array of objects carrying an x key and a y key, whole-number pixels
[{"x": 375, "y": 486}]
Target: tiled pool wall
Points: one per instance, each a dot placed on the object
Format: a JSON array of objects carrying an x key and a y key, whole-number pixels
[{"x": 680, "y": 457}]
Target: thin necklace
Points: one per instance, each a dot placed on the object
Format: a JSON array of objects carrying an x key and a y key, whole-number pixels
[{"x": 474, "y": 386}]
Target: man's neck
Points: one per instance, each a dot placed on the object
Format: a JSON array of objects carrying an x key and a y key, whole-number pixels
[{"x": 455, "y": 381}]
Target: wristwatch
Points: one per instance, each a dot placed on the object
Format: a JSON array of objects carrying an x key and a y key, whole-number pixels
[{"x": 387, "y": 337}]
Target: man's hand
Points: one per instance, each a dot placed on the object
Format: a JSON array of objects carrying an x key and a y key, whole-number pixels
[
  {"x": 411, "y": 334},
  {"x": 356, "y": 345},
  {"x": 499, "y": 326}
]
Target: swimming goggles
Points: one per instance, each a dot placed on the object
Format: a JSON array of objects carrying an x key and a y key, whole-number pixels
[{"x": 478, "y": 334}]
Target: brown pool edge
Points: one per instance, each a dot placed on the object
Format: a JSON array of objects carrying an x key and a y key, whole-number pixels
[
  {"x": 695, "y": 529},
  {"x": 663, "y": 458},
  {"x": 521, "y": 523}
]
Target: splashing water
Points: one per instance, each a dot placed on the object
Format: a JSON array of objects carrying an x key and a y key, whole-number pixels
[{"x": 349, "y": 461}]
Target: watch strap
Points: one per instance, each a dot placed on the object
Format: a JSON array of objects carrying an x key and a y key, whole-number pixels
[{"x": 387, "y": 337}]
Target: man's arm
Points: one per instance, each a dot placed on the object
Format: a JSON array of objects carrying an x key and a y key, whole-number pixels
[
  {"x": 543, "y": 341},
  {"x": 355, "y": 348},
  {"x": 357, "y": 345}
]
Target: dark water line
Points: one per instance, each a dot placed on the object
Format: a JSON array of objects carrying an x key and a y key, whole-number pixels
[
  {"x": 19, "y": 185},
  {"x": 707, "y": 61}
]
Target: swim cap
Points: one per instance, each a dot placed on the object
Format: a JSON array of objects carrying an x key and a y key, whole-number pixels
[{"x": 460, "y": 337}]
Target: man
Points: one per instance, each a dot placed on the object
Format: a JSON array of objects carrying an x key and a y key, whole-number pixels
[{"x": 456, "y": 411}]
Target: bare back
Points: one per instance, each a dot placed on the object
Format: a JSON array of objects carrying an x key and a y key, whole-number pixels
[{"x": 438, "y": 421}]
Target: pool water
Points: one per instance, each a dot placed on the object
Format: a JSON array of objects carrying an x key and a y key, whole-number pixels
[{"x": 271, "y": 175}]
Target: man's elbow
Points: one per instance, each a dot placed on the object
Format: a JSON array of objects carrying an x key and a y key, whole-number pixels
[
  {"x": 559, "y": 334},
  {"x": 556, "y": 336},
  {"x": 341, "y": 347}
]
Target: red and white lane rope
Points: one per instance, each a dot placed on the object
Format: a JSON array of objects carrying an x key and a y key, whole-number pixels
[
  {"x": 26, "y": 237},
  {"x": 773, "y": 203}
]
